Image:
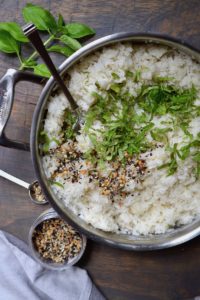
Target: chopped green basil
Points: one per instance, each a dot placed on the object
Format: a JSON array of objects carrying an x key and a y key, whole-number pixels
[
  {"x": 56, "y": 183},
  {"x": 68, "y": 125},
  {"x": 45, "y": 141},
  {"x": 126, "y": 122}
]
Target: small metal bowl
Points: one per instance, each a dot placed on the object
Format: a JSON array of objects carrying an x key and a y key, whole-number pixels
[{"x": 46, "y": 215}]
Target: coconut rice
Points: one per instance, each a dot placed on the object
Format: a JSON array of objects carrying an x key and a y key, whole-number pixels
[{"x": 150, "y": 201}]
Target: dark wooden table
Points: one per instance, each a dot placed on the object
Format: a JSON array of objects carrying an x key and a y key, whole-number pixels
[{"x": 166, "y": 275}]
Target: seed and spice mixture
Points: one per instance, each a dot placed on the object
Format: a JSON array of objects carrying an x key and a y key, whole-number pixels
[
  {"x": 36, "y": 192},
  {"x": 134, "y": 167},
  {"x": 56, "y": 241}
]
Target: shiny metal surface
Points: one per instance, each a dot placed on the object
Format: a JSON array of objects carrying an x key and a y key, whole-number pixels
[
  {"x": 7, "y": 91},
  {"x": 129, "y": 242}
]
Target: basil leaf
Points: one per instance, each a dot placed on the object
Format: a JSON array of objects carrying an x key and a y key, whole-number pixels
[
  {"x": 61, "y": 21},
  {"x": 45, "y": 140},
  {"x": 129, "y": 74},
  {"x": 42, "y": 70},
  {"x": 159, "y": 79},
  {"x": 7, "y": 43},
  {"x": 61, "y": 49},
  {"x": 198, "y": 170},
  {"x": 184, "y": 127},
  {"x": 40, "y": 17},
  {"x": 159, "y": 134},
  {"x": 68, "y": 125},
  {"x": 115, "y": 87},
  {"x": 137, "y": 76},
  {"x": 197, "y": 157},
  {"x": 79, "y": 30},
  {"x": 115, "y": 76},
  {"x": 15, "y": 30},
  {"x": 56, "y": 183},
  {"x": 161, "y": 110},
  {"x": 72, "y": 43}
]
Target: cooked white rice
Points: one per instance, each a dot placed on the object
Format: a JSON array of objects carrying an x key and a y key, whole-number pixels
[{"x": 159, "y": 202}]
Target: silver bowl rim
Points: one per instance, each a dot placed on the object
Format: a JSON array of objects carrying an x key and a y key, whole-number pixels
[{"x": 128, "y": 242}]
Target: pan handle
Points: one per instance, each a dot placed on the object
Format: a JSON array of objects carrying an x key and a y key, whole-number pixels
[{"x": 7, "y": 90}]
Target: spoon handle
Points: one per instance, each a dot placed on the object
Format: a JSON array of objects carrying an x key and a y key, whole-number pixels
[
  {"x": 32, "y": 34},
  {"x": 14, "y": 179}
]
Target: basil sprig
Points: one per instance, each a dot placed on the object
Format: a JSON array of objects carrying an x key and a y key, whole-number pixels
[{"x": 63, "y": 38}]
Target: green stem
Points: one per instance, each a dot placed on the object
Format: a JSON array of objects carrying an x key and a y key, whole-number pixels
[
  {"x": 19, "y": 57},
  {"x": 35, "y": 53}
]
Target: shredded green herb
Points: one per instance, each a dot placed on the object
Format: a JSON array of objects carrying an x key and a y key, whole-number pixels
[
  {"x": 125, "y": 130},
  {"x": 161, "y": 99},
  {"x": 115, "y": 76},
  {"x": 159, "y": 79},
  {"x": 45, "y": 141},
  {"x": 172, "y": 165},
  {"x": 159, "y": 134},
  {"x": 127, "y": 121},
  {"x": 183, "y": 153},
  {"x": 135, "y": 76},
  {"x": 52, "y": 182},
  {"x": 68, "y": 125}
]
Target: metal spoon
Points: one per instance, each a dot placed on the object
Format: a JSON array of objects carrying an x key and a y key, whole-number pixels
[
  {"x": 32, "y": 34},
  {"x": 30, "y": 187}
]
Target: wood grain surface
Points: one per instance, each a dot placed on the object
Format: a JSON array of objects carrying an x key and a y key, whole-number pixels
[{"x": 165, "y": 275}]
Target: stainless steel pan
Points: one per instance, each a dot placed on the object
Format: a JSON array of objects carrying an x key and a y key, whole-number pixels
[{"x": 151, "y": 242}]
